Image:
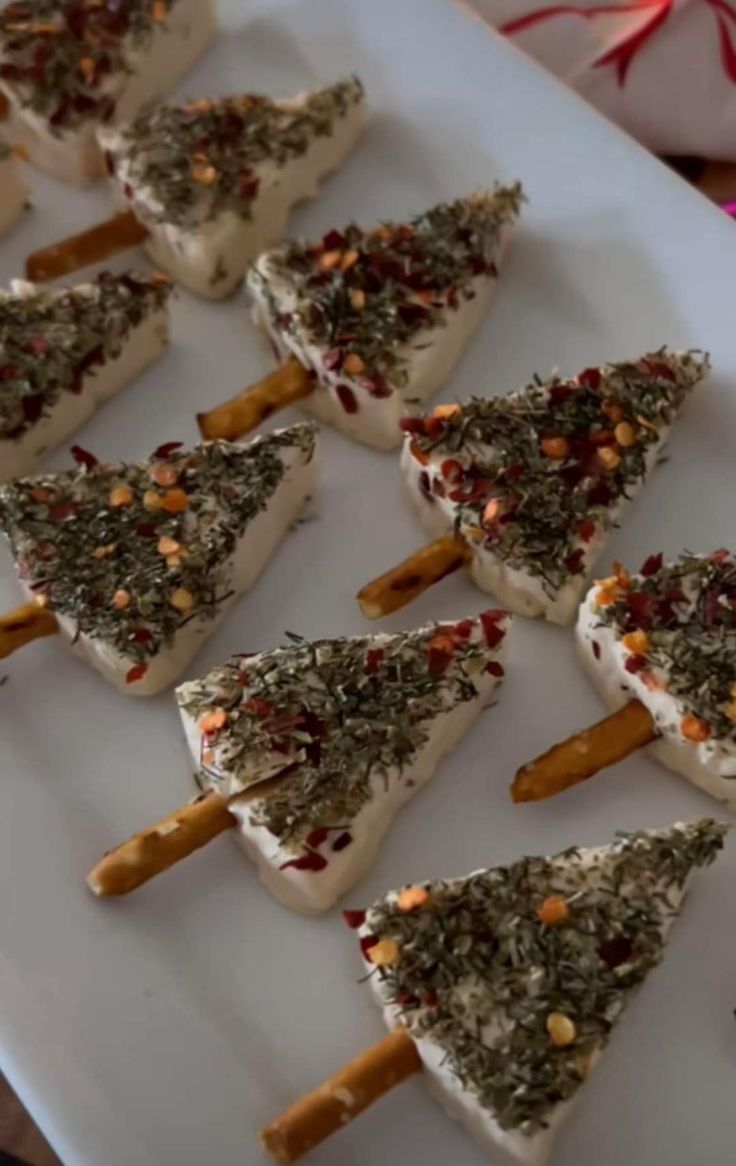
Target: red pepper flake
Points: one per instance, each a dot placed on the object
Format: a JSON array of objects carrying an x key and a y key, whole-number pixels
[
  {"x": 377, "y": 387},
  {"x": 146, "y": 530},
  {"x": 438, "y": 661},
  {"x": 495, "y": 669},
  {"x": 316, "y": 837},
  {"x": 590, "y": 378},
  {"x": 342, "y": 840},
  {"x": 586, "y": 529},
  {"x": 61, "y": 510},
  {"x": 354, "y": 919},
  {"x": 616, "y": 951},
  {"x": 720, "y": 556},
  {"x": 167, "y": 449},
  {"x": 599, "y": 495},
  {"x": 347, "y": 398},
  {"x": 434, "y": 427},
  {"x": 262, "y": 708},
  {"x": 658, "y": 369},
  {"x": 38, "y": 345},
  {"x": 596, "y": 648},
  {"x": 452, "y": 470},
  {"x": 367, "y": 942},
  {"x": 332, "y": 359},
  {"x": 463, "y": 629},
  {"x": 558, "y": 394},
  {"x": 430, "y": 1000},
  {"x": 641, "y": 608},
  {"x": 438, "y": 487},
  {"x": 142, "y": 636},
  {"x": 333, "y": 241},
  {"x": 574, "y": 561},
  {"x": 311, "y": 860},
  {"x": 411, "y": 425},
  {"x": 651, "y": 565},
  {"x": 635, "y": 663},
  {"x": 489, "y": 621},
  {"x": 373, "y": 658},
  {"x": 83, "y": 457},
  {"x": 137, "y": 672}
]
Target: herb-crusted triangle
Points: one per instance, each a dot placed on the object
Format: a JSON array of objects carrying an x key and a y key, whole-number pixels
[
  {"x": 352, "y": 727},
  {"x": 214, "y": 180},
  {"x": 382, "y": 315},
  {"x": 537, "y": 480},
  {"x": 511, "y": 980},
  {"x": 63, "y": 353},
  {"x": 667, "y": 637},
  {"x": 139, "y": 562}
]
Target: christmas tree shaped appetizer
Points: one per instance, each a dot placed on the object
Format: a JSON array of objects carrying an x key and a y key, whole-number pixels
[
  {"x": 660, "y": 648},
  {"x": 531, "y": 485},
  {"x": 369, "y": 321},
  {"x": 64, "y": 353},
  {"x": 209, "y": 184},
  {"x": 505, "y": 986},
  {"x": 136, "y": 564},
  {"x": 68, "y": 67},
  {"x": 310, "y": 751},
  {"x": 12, "y": 187}
]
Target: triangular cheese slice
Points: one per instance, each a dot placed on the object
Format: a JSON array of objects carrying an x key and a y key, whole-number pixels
[
  {"x": 214, "y": 181},
  {"x": 353, "y": 726},
  {"x": 667, "y": 637},
  {"x": 64, "y": 353},
  {"x": 511, "y": 980},
  {"x": 68, "y": 67},
  {"x": 12, "y": 188},
  {"x": 537, "y": 480},
  {"x": 382, "y": 315},
  {"x": 140, "y": 562}
]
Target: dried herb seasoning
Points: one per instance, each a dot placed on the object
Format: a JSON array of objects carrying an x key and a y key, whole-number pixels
[
  {"x": 51, "y": 340},
  {"x": 186, "y": 164},
  {"x": 343, "y": 714},
  {"x": 363, "y": 296},
  {"x": 130, "y": 553},
  {"x": 681, "y": 619},
  {"x": 475, "y": 969},
  {"x": 65, "y": 59},
  {"x": 536, "y": 476}
]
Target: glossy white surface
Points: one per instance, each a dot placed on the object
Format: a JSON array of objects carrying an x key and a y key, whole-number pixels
[{"x": 166, "y": 1028}]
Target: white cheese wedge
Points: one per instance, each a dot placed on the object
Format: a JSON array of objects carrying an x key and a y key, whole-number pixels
[
  {"x": 425, "y": 285},
  {"x": 151, "y": 53},
  {"x": 477, "y": 1017},
  {"x": 668, "y": 640},
  {"x": 535, "y": 521},
  {"x": 65, "y": 353},
  {"x": 12, "y": 189},
  {"x": 148, "y": 558},
  {"x": 215, "y": 181},
  {"x": 356, "y": 726}
]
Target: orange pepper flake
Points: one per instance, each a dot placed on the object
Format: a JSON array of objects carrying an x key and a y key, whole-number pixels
[
  {"x": 213, "y": 721},
  {"x": 385, "y": 953},
  {"x": 164, "y": 475},
  {"x": 104, "y": 552},
  {"x": 204, "y": 173},
  {"x": 40, "y": 494},
  {"x": 411, "y": 898},
  {"x": 444, "y": 411},
  {"x": 168, "y": 546},
  {"x": 41, "y": 599},
  {"x": 553, "y": 911},
  {"x": 86, "y": 67},
  {"x": 158, "y": 278},
  {"x": 121, "y": 599},
  {"x": 175, "y": 502},
  {"x": 492, "y": 510},
  {"x": 622, "y": 576},
  {"x": 625, "y": 434},
  {"x": 609, "y": 457},
  {"x": 693, "y": 729},
  {"x": 561, "y": 1029},
  {"x": 328, "y": 260},
  {"x": 120, "y": 496},
  {"x": 556, "y": 448},
  {"x": 349, "y": 259},
  {"x": 203, "y": 105},
  {"x": 159, "y": 11},
  {"x": 152, "y": 500},
  {"x": 353, "y": 364},
  {"x": 357, "y": 298},
  {"x": 612, "y": 411},
  {"x": 418, "y": 453},
  {"x": 181, "y": 599},
  {"x": 637, "y": 642},
  {"x": 475, "y": 533},
  {"x": 605, "y": 597}
]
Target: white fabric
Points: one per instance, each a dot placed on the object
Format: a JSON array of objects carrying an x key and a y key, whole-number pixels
[{"x": 665, "y": 70}]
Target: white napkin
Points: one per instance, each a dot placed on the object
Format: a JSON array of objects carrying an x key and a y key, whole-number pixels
[{"x": 663, "y": 69}]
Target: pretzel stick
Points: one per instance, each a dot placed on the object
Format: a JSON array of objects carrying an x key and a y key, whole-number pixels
[
  {"x": 234, "y": 418},
  {"x": 119, "y": 233},
  {"x": 578, "y": 758},
  {"x": 313, "y": 1118},
  {"x": 23, "y": 625},
  {"x": 399, "y": 586}
]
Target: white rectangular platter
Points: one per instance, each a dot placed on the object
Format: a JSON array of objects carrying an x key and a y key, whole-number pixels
[{"x": 166, "y": 1028}]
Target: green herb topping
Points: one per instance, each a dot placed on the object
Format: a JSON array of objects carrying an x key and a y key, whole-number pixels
[
  {"x": 341, "y": 717},
  {"x": 520, "y": 972},
  {"x": 537, "y": 475},
  {"x": 51, "y": 340},
  {"x": 131, "y": 553},
  {"x": 65, "y": 59},
  {"x": 677, "y": 623},
  {"x": 185, "y": 164},
  {"x": 363, "y": 296}
]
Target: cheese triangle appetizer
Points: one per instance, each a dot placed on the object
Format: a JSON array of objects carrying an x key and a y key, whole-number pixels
[
  {"x": 12, "y": 187},
  {"x": 380, "y": 317},
  {"x": 358, "y": 725},
  {"x": 64, "y": 353},
  {"x": 506, "y": 986},
  {"x": 213, "y": 182},
  {"x": 69, "y": 66},
  {"x": 140, "y": 562},
  {"x": 666, "y": 638},
  {"x": 534, "y": 482}
]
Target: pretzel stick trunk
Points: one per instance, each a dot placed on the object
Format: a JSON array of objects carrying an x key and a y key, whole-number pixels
[
  {"x": 330, "y": 1107},
  {"x": 119, "y": 233},
  {"x": 402, "y": 584},
  {"x": 233, "y": 419},
  {"x": 156, "y": 849},
  {"x": 578, "y": 758},
  {"x": 26, "y": 623}
]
